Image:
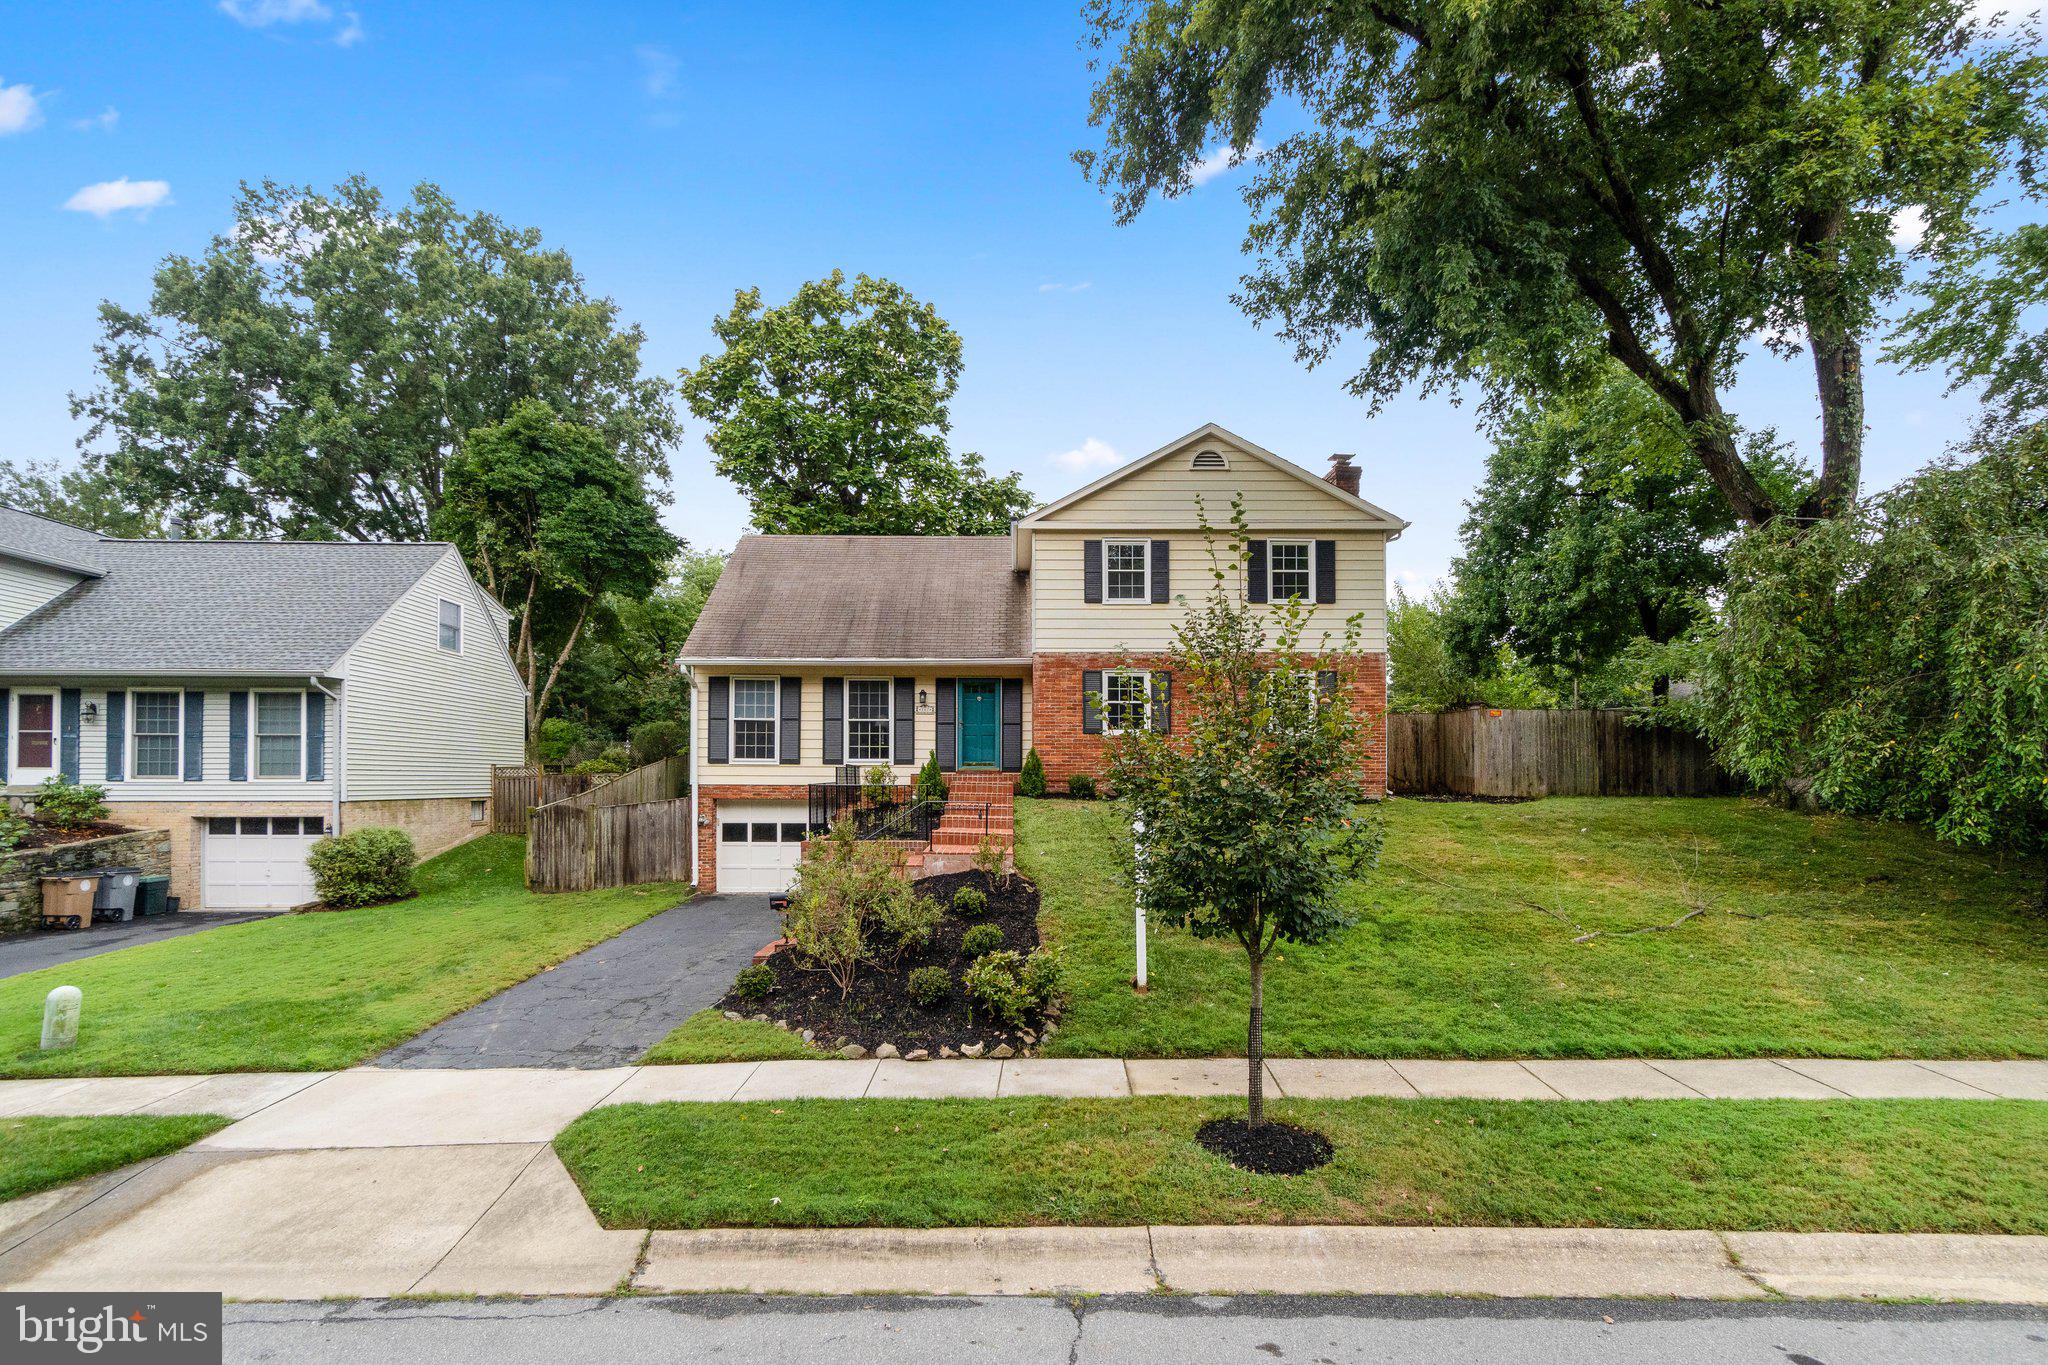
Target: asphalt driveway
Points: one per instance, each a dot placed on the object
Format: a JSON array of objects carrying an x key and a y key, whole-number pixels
[
  {"x": 609, "y": 1004},
  {"x": 25, "y": 952}
]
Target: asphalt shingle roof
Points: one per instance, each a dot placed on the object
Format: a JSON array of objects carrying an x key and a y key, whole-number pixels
[
  {"x": 42, "y": 541},
  {"x": 866, "y": 597},
  {"x": 200, "y": 606}
]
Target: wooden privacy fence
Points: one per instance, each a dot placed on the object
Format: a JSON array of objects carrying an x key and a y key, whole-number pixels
[
  {"x": 1481, "y": 752},
  {"x": 632, "y": 829},
  {"x": 516, "y": 790}
]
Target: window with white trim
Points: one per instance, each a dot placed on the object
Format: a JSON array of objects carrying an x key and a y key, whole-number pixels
[
  {"x": 158, "y": 725},
  {"x": 1288, "y": 572},
  {"x": 451, "y": 626},
  {"x": 755, "y": 703},
  {"x": 35, "y": 730},
  {"x": 1127, "y": 571},
  {"x": 1126, "y": 701},
  {"x": 280, "y": 734},
  {"x": 868, "y": 720}
]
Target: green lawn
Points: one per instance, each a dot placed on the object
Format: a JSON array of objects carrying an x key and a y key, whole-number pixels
[
  {"x": 1850, "y": 1165},
  {"x": 40, "y": 1154},
  {"x": 708, "y": 1036},
  {"x": 1823, "y": 936},
  {"x": 314, "y": 991}
]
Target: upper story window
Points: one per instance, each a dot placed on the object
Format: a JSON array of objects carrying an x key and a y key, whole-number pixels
[
  {"x": 1126, "y": 571},
  {"x": 280, "y": 734},
  {"x": 1287, "y": 568},
  {"x": 1126, "y": 701},
  {"x": 868, "y": 719},
  {"x": 35, "y": 730},
  {"x": 754, "y": 702},
  {"x": 451, "y": 626},
  {"x": 158, "y": 729}
]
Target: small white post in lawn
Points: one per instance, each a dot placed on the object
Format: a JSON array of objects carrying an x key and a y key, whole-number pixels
[
  {"x": 61, "y": 1009},
  {"x": 1138, "y": 900}
]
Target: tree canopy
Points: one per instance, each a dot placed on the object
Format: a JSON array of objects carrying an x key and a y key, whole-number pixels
[
  {"x": 314, "y": 371},
  {"x": 625, "y": 673},
  {"x": 830, "y": 413},
  {"x": 1502, "y": 192}
]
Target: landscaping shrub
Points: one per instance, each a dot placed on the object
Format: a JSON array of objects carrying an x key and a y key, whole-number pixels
[
  {"x": 655, "y": 740},
  {"x": 929, "y": 986},
  {"x": 13, "y": 828},
  {"x": 755, "y": 982},
  {"x": 558, "y": 735},
  {"x": 988, "y": 861},
  {"x": 970, "y": 902},
  {"x": 905, "y": 918},
  {"x": 931, "y": 783},
  {"x": 1016, "y": 989},
  {"x": 878, "y": 785},
  {"x": 838, "y": 887},
  {"x": 981, "y": 939},
  {"x": 362, "y": 867},
  {"x": 1081, "y": 787},
  {"x": 1031, "y": 778},
  {"x": 65, "y": 804},
  {"x": 1044, "y": 979}
]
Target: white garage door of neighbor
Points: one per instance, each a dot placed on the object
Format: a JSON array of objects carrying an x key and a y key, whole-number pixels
[
  {"x": 759, "y": 843},
  {"x": 258, "y": 862}
]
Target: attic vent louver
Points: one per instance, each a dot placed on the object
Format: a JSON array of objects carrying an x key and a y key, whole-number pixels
[{"x": 1208, "y": 459}]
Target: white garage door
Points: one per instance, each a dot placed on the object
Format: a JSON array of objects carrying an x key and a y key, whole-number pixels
[
  {"x": 258, "y": 862},
  {"x": 758, "y": 844}
]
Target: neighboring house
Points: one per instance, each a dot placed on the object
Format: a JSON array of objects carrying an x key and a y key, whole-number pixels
[
  {"x": 250, "y": 696},
  {"x": 815, "y": 652}
]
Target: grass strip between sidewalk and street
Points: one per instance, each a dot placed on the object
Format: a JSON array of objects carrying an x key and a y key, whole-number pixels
[
  {"x": 1793, "y": 1165},
  {"x": 42, "y": 1153}
]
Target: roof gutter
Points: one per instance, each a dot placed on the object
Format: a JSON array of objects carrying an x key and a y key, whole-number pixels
[
  {"x": 340, "y": 764},
  {"x": 766, "y": 660}
]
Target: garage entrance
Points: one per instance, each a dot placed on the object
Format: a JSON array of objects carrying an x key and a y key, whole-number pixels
[
  {"x": 759, "y": 844},
  {"x": 258, "y": 862}
]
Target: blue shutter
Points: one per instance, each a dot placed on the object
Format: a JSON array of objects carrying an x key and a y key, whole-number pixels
[
  {"x": 67, "y": 733},
  {"x": 117, "y": 736},
  {"x": 195, "y": 736},
  {"x": 238, "y": 736},
  {"x": 316, "y": 737}
]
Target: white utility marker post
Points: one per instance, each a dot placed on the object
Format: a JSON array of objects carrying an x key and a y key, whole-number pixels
[{"x": 1138, "y": 897}]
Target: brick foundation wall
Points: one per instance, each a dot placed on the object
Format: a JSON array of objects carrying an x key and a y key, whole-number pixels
[
  {"x": 435, "y": 825},
  {"x": 708, "y": 800},
  {"x": 1056, "y": 698},
  {"x": 21, "y": 873}
]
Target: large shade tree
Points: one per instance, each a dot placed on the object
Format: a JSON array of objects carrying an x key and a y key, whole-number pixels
[
  {"x": 316, "y": 368},
  {"x": 830, "y": 414},
  {"x": 1502, "y": 191}
]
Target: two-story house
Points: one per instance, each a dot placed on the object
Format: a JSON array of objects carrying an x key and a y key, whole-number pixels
[
  {"x": 816, "y": 652},
  {"x": 251, "y": 696}
]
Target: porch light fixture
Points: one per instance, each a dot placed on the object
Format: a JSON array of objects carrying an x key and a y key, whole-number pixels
[
  {"x": 924, "y": 700},
  {"x": 92, "y": 711}
]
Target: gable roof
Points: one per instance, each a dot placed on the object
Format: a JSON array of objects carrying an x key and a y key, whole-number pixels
[
  {"x": 866, "y": 598},
  {"x": 213, "y": 607},
  {"x": 49, "y": 544}
]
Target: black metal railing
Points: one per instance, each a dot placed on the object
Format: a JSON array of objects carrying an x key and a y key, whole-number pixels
[{"x": 886, "y": 814}]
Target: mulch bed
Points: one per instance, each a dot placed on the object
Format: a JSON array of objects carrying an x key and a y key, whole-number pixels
[
  {"x": 880, "y": 1010},
  {"x": 1269, "y": 1149},
  {"x": 41, "y": 835}
]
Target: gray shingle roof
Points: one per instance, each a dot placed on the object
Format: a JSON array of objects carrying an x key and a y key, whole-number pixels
[
  {"x": 42, "y": 541},
  {"x": 200, "y": 606},
  {"x": 866, "y": 597}
]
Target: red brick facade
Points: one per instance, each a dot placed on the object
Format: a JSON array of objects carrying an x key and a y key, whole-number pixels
[
  {"x": 1056, "y": 695},
  {"x": 708, "y": 798}
]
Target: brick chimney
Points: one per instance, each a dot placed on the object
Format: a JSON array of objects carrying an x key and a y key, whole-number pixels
[{"x": 1343, "y": 473}]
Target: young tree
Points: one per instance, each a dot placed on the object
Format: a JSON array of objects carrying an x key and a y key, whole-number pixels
[
  {"x": 624, "y": 673},
  {"x": 315, "y": 370},
  {"x": 553, "y": 521},
  {"x": 1501, "y": 191},
  {"x": 1249, "y": 793},
  {"x": 829, "y": 412}
]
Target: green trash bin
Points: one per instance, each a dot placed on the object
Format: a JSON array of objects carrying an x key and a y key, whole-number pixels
[{"x": 153, "y": 896}]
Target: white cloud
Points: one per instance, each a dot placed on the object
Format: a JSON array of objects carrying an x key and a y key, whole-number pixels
[
  {"x": 120, "y": 196},
  {"x": 351, "y": 31},
  {"x": 1056, "y": 287},
  {"x": 102, "y": 122},
  {"x": 1909, "y": 227},
  {"x": 1093, "y": 453},
  {"x": 20, "y": 110},
  {"x": 1219, "y": 161},
  {"x": 658, "y": 71},
  {"x": 264, "y": 13}
]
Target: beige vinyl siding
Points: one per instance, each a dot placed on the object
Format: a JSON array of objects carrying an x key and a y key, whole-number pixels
[
  {"x": 423, "y": 722},
  {"x": 1064, "y": 622},
  {"x": 215, "y": 786},
  {"x": 1165, "y": 495},
  {"x": 24, "y": 587},
  {"x": 812, "y": 725}
]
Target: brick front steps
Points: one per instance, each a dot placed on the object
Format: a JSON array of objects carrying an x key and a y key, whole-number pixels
[{"x": 978, "y": 805}]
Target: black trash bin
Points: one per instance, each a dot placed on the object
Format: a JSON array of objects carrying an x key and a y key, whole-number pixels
[
  {"x": 153, "y": 896},
  {"x": 115, "y": 899}
]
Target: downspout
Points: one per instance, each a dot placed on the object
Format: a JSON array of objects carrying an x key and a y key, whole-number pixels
[
  {"x": 690, "y": 678},
  {"x": 339, "y": 764}
]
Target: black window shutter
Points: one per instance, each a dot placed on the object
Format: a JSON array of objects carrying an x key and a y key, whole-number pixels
[
  {"x": 835, "y": 721},
  {"x": 117, "y": 736},
  {"x": 1013, "y": 724},
  {"x": 195, "y": 737},
  {"x": 1091, "y": 571},
  {"x": 792, "y": 745},
  {"x": 1162, "y": 702},
  {"x": 1161, "y": 551},
  {"x": 905, "y": 740},
  {"x": 1326, "y": 683},
  {"x": 949, "y": 752},
  {"x": 718, "y": 712},
  {"x": 6, "y": 743},
  {"x": 1255, "y": 571},
  {"x": 238, "y": 736},
  {"x": 1091, "y": 701},
  {"x": 67, "y": 733},
  {"x": 316, "y": 737},
  {"x": 1326, "y": 571}
]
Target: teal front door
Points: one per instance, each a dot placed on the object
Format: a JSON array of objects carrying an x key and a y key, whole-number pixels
[{"x": 980, "y": 733}]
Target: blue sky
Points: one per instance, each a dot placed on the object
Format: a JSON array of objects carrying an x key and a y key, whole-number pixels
[{"x": 682, "y": 151}]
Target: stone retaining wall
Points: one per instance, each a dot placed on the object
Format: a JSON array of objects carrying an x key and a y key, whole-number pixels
[{"x": 22, "y": 871}]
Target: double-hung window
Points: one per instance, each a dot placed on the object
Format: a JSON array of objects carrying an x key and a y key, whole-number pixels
[
  {"x": 35, "y": 730},
  {"x": 1126, "y": 701},
  {"x": 1126, "y": 571},
  {"x": 451, "y": 626},
  {"x": 1287, "y": 568},
  {"x": 280, "y": 734},
  {"x": 158, "y": 726},
  {"x": 754, "y": 702},
  {"x": 868, "y": 720}
]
